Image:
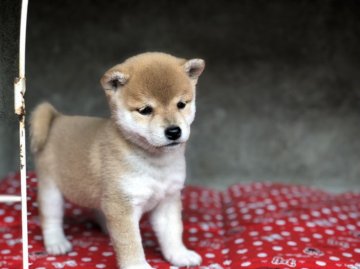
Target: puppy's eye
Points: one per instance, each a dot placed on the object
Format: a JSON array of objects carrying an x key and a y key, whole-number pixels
[
  {"x": 147, "y": 110},
  {"x": 181, "y": 105}
]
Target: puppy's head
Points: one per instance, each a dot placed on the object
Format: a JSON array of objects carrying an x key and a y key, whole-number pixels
[{"x": 152, "y": 98}]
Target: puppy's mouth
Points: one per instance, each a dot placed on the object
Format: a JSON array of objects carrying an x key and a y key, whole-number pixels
[{"x": 172, "y": 144}]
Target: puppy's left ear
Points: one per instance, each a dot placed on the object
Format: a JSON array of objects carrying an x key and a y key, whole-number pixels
[
  {"x": 113, "y": 79},
  {"x": 194, "y": 68}
]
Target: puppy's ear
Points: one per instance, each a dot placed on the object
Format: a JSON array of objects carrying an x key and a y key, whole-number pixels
[
  {"x": 194, "y": 68},
  {"x": 113, "y": 80}
]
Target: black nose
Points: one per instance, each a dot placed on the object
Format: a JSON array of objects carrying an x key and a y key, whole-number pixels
[{"x": 173, "y": 132}]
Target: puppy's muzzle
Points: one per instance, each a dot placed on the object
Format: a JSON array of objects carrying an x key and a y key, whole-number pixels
[{"x": 173, "y": 132}]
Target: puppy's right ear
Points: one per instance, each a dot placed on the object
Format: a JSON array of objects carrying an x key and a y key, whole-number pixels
[{"x": 113, "y": 80}]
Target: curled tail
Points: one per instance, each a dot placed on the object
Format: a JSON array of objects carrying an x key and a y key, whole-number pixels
[{"x": 40, "y": 123}]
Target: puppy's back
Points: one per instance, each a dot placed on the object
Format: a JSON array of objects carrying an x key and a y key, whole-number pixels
[{"x": 63, "y": 151}]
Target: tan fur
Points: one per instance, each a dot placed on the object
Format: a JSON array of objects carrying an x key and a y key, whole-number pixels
[
  {"x": 41, "y": 122},
  {"x": 84, "y": 157}
]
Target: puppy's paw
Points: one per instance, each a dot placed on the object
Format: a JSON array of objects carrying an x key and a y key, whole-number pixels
[
  {"x": 144, "y": 265},
  {"x": 58, "y": 247},
  {"x": 184, "y": 257}
]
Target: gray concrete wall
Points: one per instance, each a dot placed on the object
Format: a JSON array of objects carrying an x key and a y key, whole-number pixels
[
  {"x": 279, "y": 100},
  {"x": 9, "y": 31}
]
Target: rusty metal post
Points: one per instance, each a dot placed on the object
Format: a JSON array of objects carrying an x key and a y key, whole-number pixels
[{"x": 20, "y": 89}]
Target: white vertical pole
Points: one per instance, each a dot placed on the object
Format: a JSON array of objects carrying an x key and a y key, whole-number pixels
[{"x": 20, "y": 111}]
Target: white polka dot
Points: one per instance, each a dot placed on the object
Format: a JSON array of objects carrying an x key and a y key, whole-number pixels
[
  {"x": 280, "y": 222},
  {"x": 330, "y": 232},
  {"x": 321, "y": 263},
  {"x": 346, "y": 254},
  {"x": 254, "y": 233},
  {"x": 340, "y": 228},
  {"x": 107, "y": 254},
  {"x": 291, "y": 243},
  {"x": 259, "y": 211},
  {"x": 100, "y": 265},
  {"x": 208, "y": 235},
  {"x": 193, "y": 239},
  {"x": 77, "y": 211},
  {"x": 304, "y": 217},
  {"x": 38, "y": 237},
  {"x": 7, "y": 236},
  {"x": 219, "y": 217},
  {"x": 241, "y": 251},
  {"x": 310, "y": 224},
  {"x": 271, "y": 207},
  {"x": 285, "y": 233},
  {"x": 317, "y": 236},
  {"x": 305, "y": 239},
  {"x": 247, "y": 217},
  {"x": 333, "y": 258},
  {"x": 210, "y": 255},
  {"x": 86, "y": 259},
  {"x": 230, "y": 210},
  {"x": 244, "y": 210},
  {"x": 267, "y": 228},
  {"x": 193, "y": 219},
  {"x": 262, "y": 255},
  {"x": 342, "y": 217},
  {"x": 357, "y": 250},
  {"x": 73, "y": 254},
  {"x": 299, "y": 229},
  {"x": 350, "y": 227},
  {"x": 5, "y": 251},
  {"x": 353, "y": 215},
  {"x": 257, "y": 243},
  {"x": 227, "y": 262},
  {"x": 326, "y": 211},
  {"x": 93, "y": 248},
  {"x": 245, "y": 264},
  {"x": 239, "y": 241},
  {"x": 9, "y": 219},
  {"x": 277, "y": 248},
  {"x": 315, "y": 213},
  {"x": 225, "y": 251}
]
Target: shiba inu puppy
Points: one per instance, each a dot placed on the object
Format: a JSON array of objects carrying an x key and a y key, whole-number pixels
[{"x": 124, "y": 166}]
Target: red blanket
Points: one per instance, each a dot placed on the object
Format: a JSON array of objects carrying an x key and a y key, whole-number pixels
[{"x": 259, "y": 225}]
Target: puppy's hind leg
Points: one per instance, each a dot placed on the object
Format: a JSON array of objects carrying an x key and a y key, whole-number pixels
[{"x": 51, "y": 205}]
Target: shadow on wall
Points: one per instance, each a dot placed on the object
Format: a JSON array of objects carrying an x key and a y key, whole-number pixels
[{"x": 279, "y": 100}]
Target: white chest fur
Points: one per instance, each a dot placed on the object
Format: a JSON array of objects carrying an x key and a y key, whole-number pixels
[{"x": 152, "y": 180}]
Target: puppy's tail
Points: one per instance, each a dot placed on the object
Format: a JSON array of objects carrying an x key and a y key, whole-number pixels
[{"x": 40, "y": 123}]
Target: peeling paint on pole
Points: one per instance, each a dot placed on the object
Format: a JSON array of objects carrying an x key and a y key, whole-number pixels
[{"x": 19, "y": 106}]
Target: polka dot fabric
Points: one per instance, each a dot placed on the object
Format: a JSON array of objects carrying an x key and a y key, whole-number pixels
[{"x": 258, "y": 226}]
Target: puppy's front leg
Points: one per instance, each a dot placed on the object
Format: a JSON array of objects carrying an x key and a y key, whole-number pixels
[
  {"x": 123, "y": 225},
  {"x": 167, "y": 224}
]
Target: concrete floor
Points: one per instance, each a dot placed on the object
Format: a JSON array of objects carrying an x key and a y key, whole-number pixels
[{"x": 279, "y": 100}]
